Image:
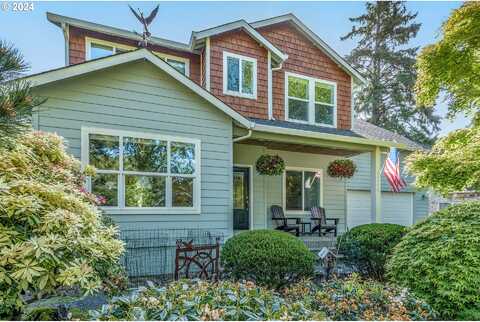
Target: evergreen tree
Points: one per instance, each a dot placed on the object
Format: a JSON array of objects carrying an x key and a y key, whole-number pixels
[
  {"x": 16, "y": 99},
  {"x": 383, "y": 57}
]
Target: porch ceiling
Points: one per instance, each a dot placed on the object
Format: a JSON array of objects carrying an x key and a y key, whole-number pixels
[{"x": 303, "y": 148}]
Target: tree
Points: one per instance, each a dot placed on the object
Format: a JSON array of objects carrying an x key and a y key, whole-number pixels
[
  {"x": 16, "y": 100},
  {"x": 452, "y": 65},
  {"x": 388, "y": 65}
]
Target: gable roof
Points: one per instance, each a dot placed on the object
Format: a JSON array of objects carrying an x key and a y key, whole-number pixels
[
  {"x": 112, "y": 31},
  {"x": 315, "y": 39},
  {"x": 239, "y": 24},
  {"x": 114, "y": 60}
]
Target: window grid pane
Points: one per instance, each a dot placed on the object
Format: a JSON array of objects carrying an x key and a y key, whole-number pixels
[
  {"x": 247, "y": 77},
  {"x": 182, "y": 192},
  {"x": 145, "y": 191},
  {"x": 324, "y": 114},
  {"x": 324, "y": 93},
  {"x": 298, "y": 87},
  {"x": 144, "y": 155},
  {"x": 297, "y": 110},
  {"x": 233, "y": 74},
  {"x": 293, "y": 190},
  {"x": 104, "y": 151},
  {"x": 99, "y": 51}
]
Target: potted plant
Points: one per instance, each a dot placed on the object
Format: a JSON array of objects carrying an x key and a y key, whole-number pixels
[
  {"x": 270, "y": 165},
  {"x": 341, "y": 168}
]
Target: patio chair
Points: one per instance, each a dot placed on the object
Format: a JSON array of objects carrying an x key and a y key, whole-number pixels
[
  {"x": 319, "y": 219},
  {"x": 282, "y": 222}
]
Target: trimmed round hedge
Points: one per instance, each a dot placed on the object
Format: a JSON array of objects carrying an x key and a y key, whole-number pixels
[
  {"x": 268, "y": 257},
  {"x": 366, "y": 247},
  {"x": 439, "y": 259}
]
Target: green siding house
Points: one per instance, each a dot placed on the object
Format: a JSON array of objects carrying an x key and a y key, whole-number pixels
[{"x": 172, "y": 152}]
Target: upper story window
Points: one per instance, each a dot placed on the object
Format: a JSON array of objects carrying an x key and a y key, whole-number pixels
[
  {"x": 141, "y": 171},
  {"x": 179, "y": 63},
  {"x": 239, "y": 75},
  {"x": 96, "y": 48},
  {"x": 310, "y": 100}
]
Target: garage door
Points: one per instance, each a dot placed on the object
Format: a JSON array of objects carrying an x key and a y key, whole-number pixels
[
  {"x": 358, "y": 208},
  {"x": 397, "y": 208}
]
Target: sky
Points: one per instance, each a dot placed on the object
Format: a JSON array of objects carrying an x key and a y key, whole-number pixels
[{"x": 42, "y": 43}]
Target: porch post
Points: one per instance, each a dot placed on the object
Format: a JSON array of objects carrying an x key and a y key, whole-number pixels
[{"x": 376, "y": 185}]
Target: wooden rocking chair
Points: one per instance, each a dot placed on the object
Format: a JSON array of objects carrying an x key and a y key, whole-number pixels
[
  {"x": 282, "y": 222},
  {"x": 320, "y": 219}
]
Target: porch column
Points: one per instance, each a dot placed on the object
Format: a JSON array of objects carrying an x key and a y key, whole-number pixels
[{"x": 376, "y": 185}]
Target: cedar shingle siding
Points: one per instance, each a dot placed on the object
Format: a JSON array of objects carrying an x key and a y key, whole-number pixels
[
  {"x": 303, "y": 58},
  {"x": 239, "y": 42},
  {"x": 77, "y": 49},
  {"x": 306, "y": 59}
]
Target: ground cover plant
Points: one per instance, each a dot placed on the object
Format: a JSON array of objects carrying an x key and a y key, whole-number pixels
[
  {"x": 350, "y": 299},
  {"x": 366, "y": 247},
  {"x": 355, "y": 298},
  {"x": 268, "y": 257},
  {"x": 51, "y": 232},
  {"x": 439, "y": 260},
  {"x": 200, "y": 300}
]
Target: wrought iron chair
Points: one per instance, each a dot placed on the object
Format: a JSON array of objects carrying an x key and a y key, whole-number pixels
[
  {"x": 320, "y": 219},
  {"x": 282, "y": 222}
]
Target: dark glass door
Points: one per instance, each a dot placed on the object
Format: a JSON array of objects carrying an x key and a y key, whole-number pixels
[{"x": 241, "y": 198}]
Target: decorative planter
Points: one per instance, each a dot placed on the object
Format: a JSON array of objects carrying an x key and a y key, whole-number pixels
[
  {"x": 270, "y": 165},
  {"x": 341, "y": 168}
]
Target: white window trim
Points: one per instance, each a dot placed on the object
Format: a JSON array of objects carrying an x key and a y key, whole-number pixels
[
  {"x": 227, "y": 54},
  {"x": 284, "y": 190},
  {"x": 89, "y": 41},
  {"x": 121, "y": 209},
  {"x": 166, "y": 57},
  {"x": 311, "y": 99}
]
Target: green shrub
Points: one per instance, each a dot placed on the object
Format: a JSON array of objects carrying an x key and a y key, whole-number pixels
[
  {"x": 200, "y": 300},
  {"x": 51, "y": 232},
  {"x": 268, "y": 257},
  {"x": 357, "y": 299},
  {"x": 469, "y": 315},
  {"x": 366, "y": 247},
  {"x": 439, "y": 259}
]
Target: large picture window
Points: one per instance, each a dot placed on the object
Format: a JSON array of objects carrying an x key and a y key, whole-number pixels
[
  {"x": 310, "y": 100},
  {"x": 302, "y": 188},
  {"x": 239, "y": 75},
  {"x": 143, "y": 171}
]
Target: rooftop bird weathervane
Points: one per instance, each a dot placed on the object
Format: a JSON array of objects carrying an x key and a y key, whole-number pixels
[{"x": 145, "y": 22}]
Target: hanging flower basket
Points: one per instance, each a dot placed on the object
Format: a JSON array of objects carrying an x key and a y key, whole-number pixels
[
  {"x": 342, "y": 168},
  {"x": 270, "y": 165}
]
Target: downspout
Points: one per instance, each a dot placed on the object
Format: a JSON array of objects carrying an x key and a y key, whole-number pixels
[
  {"x": 241, "y": 138},
  {"x": 66, "y": 35},
  {"x": 269, "y": 86}
]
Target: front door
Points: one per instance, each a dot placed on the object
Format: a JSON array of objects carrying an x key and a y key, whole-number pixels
[{"x": 241, "y": 198}]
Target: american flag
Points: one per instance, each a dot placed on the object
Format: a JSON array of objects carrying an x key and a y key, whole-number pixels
[{"x": 391, "y": 170}]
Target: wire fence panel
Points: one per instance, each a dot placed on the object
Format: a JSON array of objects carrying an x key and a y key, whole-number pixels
[{"x": 150, "y": 253}]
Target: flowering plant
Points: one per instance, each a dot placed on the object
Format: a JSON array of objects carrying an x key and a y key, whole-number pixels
[
  {"x": 341, "y": 168},
  {"x": 270, "y": 165}
]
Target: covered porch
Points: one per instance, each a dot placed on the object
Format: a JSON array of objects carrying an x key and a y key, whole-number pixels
[{"x": 305, "y": 155}]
